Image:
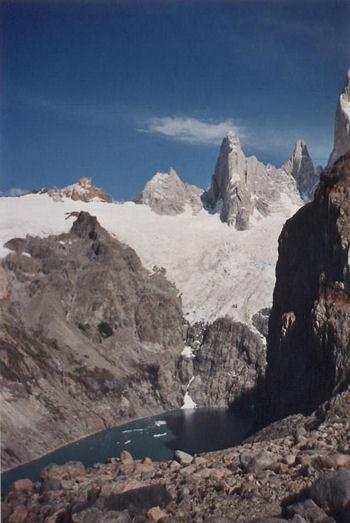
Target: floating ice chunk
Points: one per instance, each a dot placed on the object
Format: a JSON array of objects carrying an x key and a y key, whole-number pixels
[
  {"x": 127, "y": 442},
  {"x": 160, "y": 435},
  {"x": 160, "y": 422}
]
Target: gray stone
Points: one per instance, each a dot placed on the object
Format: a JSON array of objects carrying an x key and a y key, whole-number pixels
[
  {"x": 333, "y": 490},
  {"x": 308, "y": 510},
  {"x": 260, "y": 460},
  {"x": 183, "y": 457}
]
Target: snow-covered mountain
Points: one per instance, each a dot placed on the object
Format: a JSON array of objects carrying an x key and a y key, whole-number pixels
[
  {"x": 165, "y": 193},
  {"x": 342, "y": 123},
  {"x": 301, "y": 168},
  {"x": 218, "y": 269},
  {"x": 83, "y": 190},
  {"x": 245, "y": 190}
]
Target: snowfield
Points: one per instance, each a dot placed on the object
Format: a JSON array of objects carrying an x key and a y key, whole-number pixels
[{"x": 217, "y": 269}]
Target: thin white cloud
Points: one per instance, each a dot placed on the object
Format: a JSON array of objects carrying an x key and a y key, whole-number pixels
[
  {"x": 15, "y": 191},
  {"x": 191, "y": 130}
]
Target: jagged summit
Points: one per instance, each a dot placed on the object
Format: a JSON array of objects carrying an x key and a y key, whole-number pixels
[
  {"x": 342, "y": 123},
  {"x": 83, "y": 190},
  {"x": 243, "y": 188},
  {"x": 300, "y": 166},
  {"x": 166, "y": 194}
]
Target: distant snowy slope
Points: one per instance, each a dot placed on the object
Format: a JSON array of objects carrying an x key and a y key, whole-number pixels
[{"x": 218, "y": 269}]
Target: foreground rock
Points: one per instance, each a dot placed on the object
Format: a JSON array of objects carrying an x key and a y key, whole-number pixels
[
  {"x": 309, "y": 330},
  {"x": 285, "y": 473}
]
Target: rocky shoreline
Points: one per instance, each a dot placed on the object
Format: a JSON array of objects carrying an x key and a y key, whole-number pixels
[{"x": 295, "y": 470}]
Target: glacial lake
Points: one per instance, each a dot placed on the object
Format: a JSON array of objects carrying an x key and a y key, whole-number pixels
[{"x": 192, "y": 430}]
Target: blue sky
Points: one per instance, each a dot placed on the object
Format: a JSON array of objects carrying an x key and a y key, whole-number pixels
[{"x": 118, "y": 90}]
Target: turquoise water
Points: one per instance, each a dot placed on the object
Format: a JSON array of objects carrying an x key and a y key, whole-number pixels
[{"x": 193, "y": 430}]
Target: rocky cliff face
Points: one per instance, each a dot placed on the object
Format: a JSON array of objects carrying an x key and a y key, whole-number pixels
[
  {"x": 342, "y": 124},
  {"x": 82, "y": 190},
  {"x": 301, "y": 168},
  {"x": 89, "y": 339},
  {"x": 166, "y": 194},
  {"x": 309, "y": 330},
  {"x": 242, "y": 188},
  {"x": 225, "y": 365}
]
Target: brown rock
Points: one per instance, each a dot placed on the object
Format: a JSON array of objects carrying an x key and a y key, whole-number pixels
[
  {"x": 217, "y": 474},
  {"x": 56, "y": 517},
  {"x": 199, "y": 460},
  {"x": 289, "y": 459},
  {"x": 146, "y": 461},
  {"x": 126, "y": 485},
  {"x": 23, "y": 484},
  {"x": 70, "y": 470},
  {"x": 127, "y": 468},
  {"x": 143, "y": 468},
  {"x": 19, "y": 515},
  {"x": 155, "y": 514},
  {"x": 126, "y": 457},
  {"x": 331, "y": 461}
]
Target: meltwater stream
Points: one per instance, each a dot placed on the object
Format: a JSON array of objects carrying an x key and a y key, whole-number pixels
[{"x": 191, "y": 430}]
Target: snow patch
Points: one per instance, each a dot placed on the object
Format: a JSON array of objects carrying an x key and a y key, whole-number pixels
[
  {"x": 160, "y": 435},
  {"x": 188, "y": 401},
  {"x": 187, "y": 352}
]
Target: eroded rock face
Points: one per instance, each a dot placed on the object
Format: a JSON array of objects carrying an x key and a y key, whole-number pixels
[
  {"x": 89, "y": 339},
  {"x": 228, "y": 363},
  {"x": 342, "y": 124},
  {"x": 300, "y": 166},
  {"x": 309, "y": 330},
  {"x": 166, "y": 194},
  {"x": 82, "y": 190},
  {"x": 241, "y": 185}
]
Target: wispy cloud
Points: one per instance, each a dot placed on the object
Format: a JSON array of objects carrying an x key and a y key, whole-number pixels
[
  {"x": 191, "y": 130},
  {"x": 15, "y": 191},
  {"x": 101, "y": 114}
]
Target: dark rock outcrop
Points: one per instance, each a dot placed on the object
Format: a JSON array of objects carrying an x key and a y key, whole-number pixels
[
  {"x": 228, "y": 363},
  {"x": 309, "y": 330},
  {"x": 89, "y": 339}
]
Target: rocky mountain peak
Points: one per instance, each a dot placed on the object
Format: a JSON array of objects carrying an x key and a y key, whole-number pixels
[
  {"x": 166, "y": 194},
  {"x": 83, "y": 190},
  {"x": 242, "y": 184},
  {"x": 342, "y": 123},
  {"x": 300, "y": 166}
]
